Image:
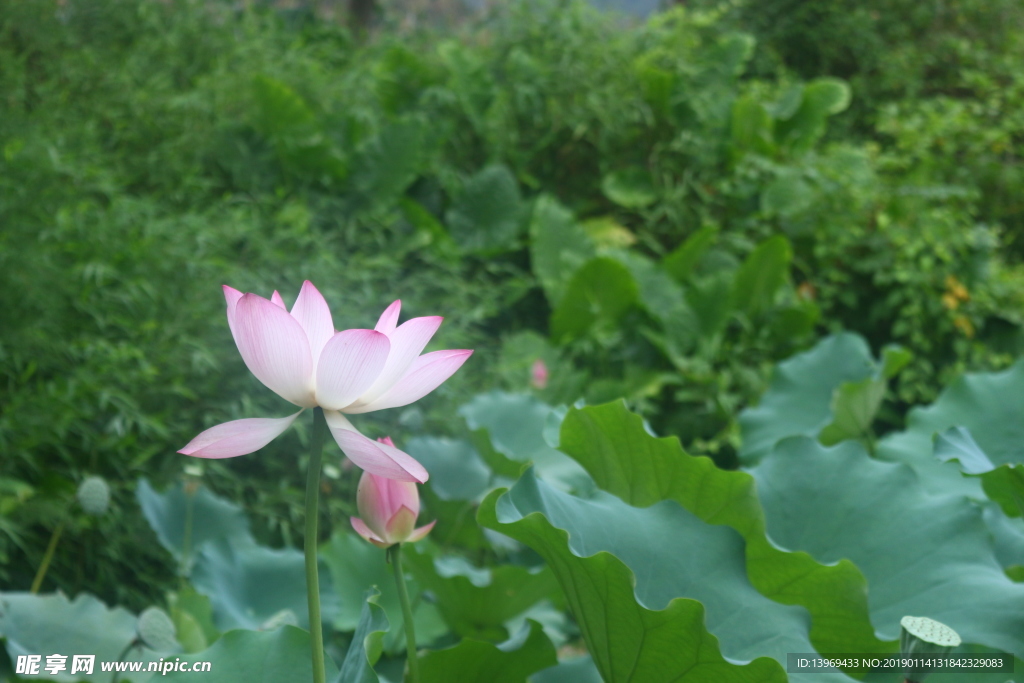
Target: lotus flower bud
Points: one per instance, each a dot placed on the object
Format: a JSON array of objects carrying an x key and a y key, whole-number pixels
[
  {"x": 388, "y": 509},
  {"x": 94, "y": 495}
]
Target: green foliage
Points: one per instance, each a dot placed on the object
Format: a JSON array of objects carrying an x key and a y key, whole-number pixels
[
  {"x": 354, "y": 566},
  {"x": 366, "y": 645},
  {"x": 599, "y": 293},
  {"x": 761, "y": 275},
  {"x": 937, "y": 86},
  {"x": 278, "y": 655},
  {"x": 512, "y": 444},
  {"x": 618, "y": 541},
  {"x": 802, "y": 397},
  {"x": 1003, "y": 484},
  {"x": 806, "y": 487},
  {"x": 250, "y": 586},
  {"x": 478, "y": 602},
  {"x": 487, "y": 213},
  {"x": 625, "y": 460},
  {"x": 35, "y": 624},
  {"x": 525, "y": 653},
  {"x": 628, "y": 640},
  {"x": 185, "y": 518}
]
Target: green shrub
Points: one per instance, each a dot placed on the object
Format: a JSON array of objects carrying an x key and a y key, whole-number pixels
[{"x": 617, "y": 201}]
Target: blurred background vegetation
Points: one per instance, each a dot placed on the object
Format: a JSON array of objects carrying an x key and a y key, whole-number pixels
[{"x": 658, "y": 209}]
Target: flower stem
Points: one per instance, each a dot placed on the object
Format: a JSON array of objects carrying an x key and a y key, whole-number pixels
[
  {"x": 403, "y": 596},
  {"x": 45, "y": 564},
  {"x": 316, "y": 631},
  {"x": 186, "y": 541}
]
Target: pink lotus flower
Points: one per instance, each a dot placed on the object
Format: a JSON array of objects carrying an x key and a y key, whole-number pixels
[
  {"x": 301, "y": 358},
  {"x": 389, "y": 509},
  {"x": 539, "y": 374}
]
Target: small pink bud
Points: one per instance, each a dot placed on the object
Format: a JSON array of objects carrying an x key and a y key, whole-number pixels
[
  {"x": 539, "y": 374},
  {"x": 387, "y": 441},
  {"x": 388, "y": 510}
]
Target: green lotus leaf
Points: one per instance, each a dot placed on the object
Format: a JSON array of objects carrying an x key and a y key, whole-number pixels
[
  {"x": 957, "y": 443},
  {"x": 278, "y": 656},
  {"x": 279, "y": 109},
  {"x": 636, "y": 586},
  {"x": 516, "y": 424},
  {"x": 1007, "y": 535},
  {"x": 477, "y": 602},
  {"x": 356, "y": 566},
  {"x": 476, "y": 661},
  {"x": 576, "y": 670},
  {"x": 854, "y": 406},
  {"x": 156, "y": 630},
  {"x": 201, "y": 517},
  {"x": 1003, "y": 484},
  {"x": 552, "y": 616},
  {"x": 922, "y": 554},
  {"x": 193, "y": 617},
  {"x": 33, "y": 624},
  {"x": 989, "y": 406},
  {"x": 249, "y": 585},
  {"x": 627, "y": 461},
  {"x": 657, "y": 84},
  {"x": 367, "y": 643},
  {"x": 799, "y": 399},
  {"x": 659, "y": 294},
  {"x": 456, "y": 470}
]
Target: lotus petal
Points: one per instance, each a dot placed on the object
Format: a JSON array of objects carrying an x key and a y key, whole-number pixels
[
  {"x": 238, "y": 437},
  {"x": 425, "y": 374},
  {"x": 274, "y": 348},
  {"x": 419, "y": 534},
  {"x": 407, "y": 341},
  {"x": 314, "y": 315},
  {"x": 389, "y": 318},
  {"x": 231, "y": 295},
  {"x": 350, "y": 363},
  {"x": 367, "y": 533},
  {"x": 377, "y": 458},
  {"x": 401, "y": 525}
]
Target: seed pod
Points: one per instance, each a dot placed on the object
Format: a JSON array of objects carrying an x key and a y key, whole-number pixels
[
  {"x": 156, "y": 630},
  {"x": 94, "y": 496},
  {"x": 924, "y": 636}
]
